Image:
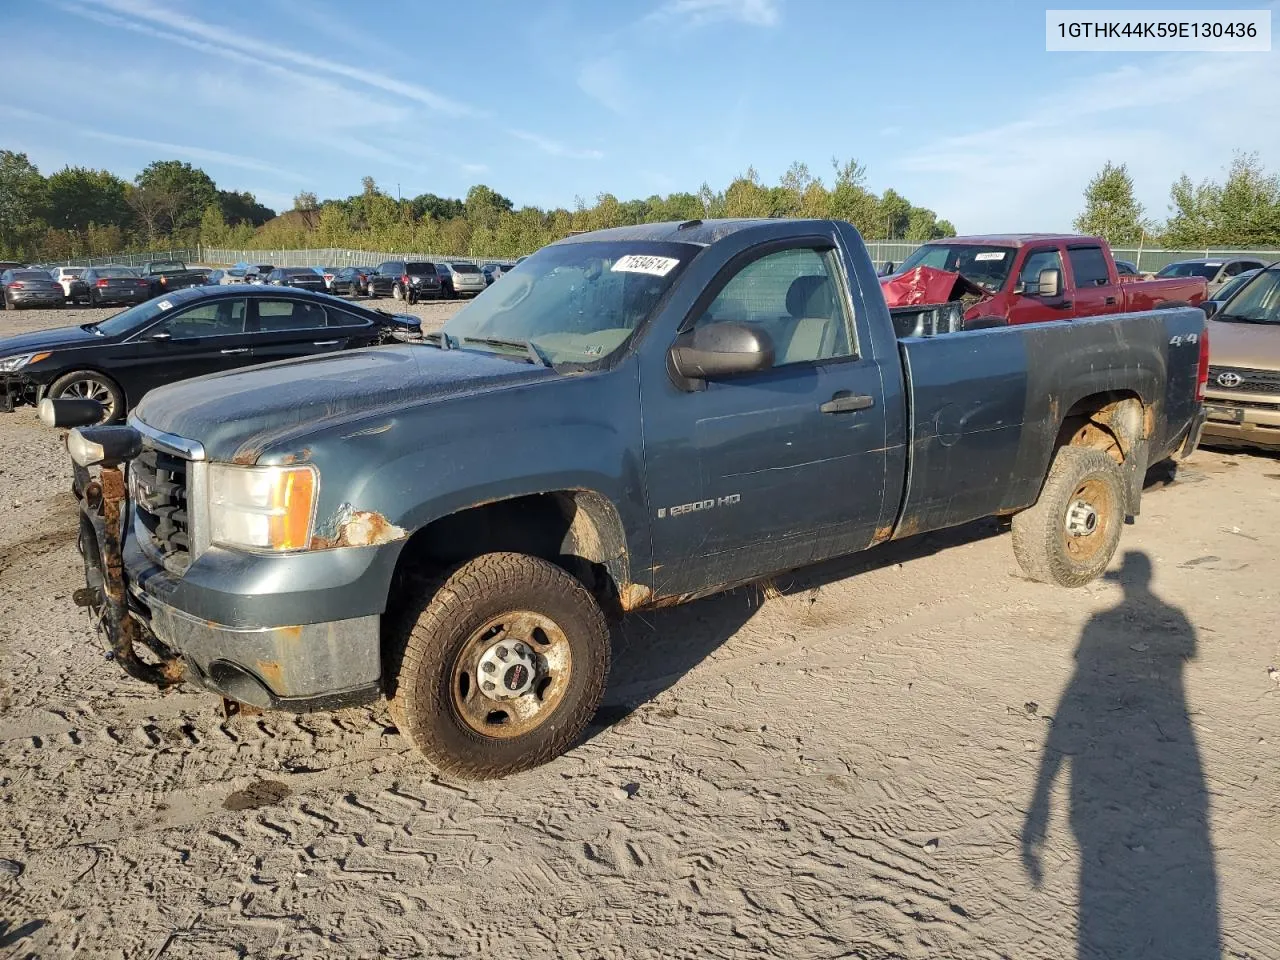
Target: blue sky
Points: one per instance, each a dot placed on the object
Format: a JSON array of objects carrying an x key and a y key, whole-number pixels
[{"x": 955, "y": 105}]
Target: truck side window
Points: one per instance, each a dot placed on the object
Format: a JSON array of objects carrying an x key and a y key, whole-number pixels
[
  {"x": 794, "y": 296},
  {"x": 1088, "y": 266},
  {"x": 1037, "y": 260}
]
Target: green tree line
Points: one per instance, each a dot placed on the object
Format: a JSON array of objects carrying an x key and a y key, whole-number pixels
[
  {"x": 1241, "y": 211},
  {"x": 82, "y": 212},
  {"x": 78, "y": 212}
]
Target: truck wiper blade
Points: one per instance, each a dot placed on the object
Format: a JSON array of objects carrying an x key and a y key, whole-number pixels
[
  {"x": 1236, "y": 318},
  {"x": 532, "y": 349}
]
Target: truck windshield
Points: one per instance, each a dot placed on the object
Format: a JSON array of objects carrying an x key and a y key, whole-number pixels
[
  {"x": 987, "y": 266},
  {"x": 165, "y": 266},
  {"x": 577, "y": 303},
  {"x": 1258, "y": 302}
]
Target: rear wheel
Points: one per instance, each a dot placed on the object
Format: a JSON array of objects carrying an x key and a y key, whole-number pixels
[
  {"x": 1069, "y": 536},
  {"x": 499, "y": 666},
  {"x": 91, "y": 385}
]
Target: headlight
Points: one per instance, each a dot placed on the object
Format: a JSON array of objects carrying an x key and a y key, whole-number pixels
[
  {"x": 10, "y": 364},
  {"x": 263, "y": 508}
]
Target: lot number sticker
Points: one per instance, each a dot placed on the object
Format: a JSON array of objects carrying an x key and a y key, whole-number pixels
[
  {"x": 165, "y": 305},
  {"x": 638, "y": 263},
  {"x": 990, "y": 255}
]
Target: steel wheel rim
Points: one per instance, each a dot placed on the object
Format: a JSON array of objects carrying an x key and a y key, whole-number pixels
[
  {"x": 1096, "y": 496},
  {"x": 504, "y": 719},
  {"x": 91, "y": 390}
]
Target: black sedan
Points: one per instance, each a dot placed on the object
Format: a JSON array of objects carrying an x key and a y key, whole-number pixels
[
  {"x": 352, "y": 281},
  {"x": 304, "y": 278},
  {"x": 116, "y": 285},
  {"x": 30, "y": 288},
  {"x": 186, "y": 334}
]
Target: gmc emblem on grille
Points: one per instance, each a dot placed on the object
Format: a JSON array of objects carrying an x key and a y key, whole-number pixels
[{"x": 1230, "y": 379}]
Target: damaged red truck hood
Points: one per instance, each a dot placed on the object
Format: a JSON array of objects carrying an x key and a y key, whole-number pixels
[{"x": 928, "y": 285}]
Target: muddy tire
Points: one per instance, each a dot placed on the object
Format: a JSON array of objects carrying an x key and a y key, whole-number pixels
[
  {"x": 498, "y": 665},
  {"x": 1069, "y": 536},
  {"x": 91, "y": 385}
]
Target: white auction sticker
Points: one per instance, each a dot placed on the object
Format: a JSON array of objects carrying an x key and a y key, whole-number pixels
[
  {"x": 165, "y": 305},
  {"x": 642, "y": 263},
  {"x": 990, "y": 255}
]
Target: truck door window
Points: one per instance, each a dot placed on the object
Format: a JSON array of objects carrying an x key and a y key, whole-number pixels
[
  {"x": 217, "y": 319},
  {"x": 1037, "y": 260},
  {"x": 1088, "y": 267},
  {"x": 794, "y": 296}
]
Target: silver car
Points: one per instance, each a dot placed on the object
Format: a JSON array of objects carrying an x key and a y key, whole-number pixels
[
  {"x": 460, "y": 279},
  {"x": 1218, "y": 271}
]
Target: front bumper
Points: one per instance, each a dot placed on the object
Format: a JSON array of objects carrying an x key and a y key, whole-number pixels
[
  {"x": 1237, "y": 423},
  {"x": 17, "y": 391},
  {"x": 248, "y": 628}
]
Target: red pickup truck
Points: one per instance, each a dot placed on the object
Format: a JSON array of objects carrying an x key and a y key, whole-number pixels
[{"x": 1028, "y": 278}]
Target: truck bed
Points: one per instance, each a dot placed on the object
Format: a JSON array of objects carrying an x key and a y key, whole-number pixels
[{"x": 984, "y": 406}]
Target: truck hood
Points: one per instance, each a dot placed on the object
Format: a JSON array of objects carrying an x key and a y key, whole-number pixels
[
  {"x": 235, "y": 414},
  {"x": 928, "y": 285},
  {"x": 1255, "y": 346}
]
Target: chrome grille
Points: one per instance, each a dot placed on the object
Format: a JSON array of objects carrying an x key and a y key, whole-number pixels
[
  {"x": 158, "y": 483},
  {"x": 1251, "y": 381}
]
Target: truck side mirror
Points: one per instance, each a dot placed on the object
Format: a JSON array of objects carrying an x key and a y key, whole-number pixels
[
  {"x": 1210, "y": 307},
  {"x": 1050, "y": 283},
  {"x": 718, "y": 350}
]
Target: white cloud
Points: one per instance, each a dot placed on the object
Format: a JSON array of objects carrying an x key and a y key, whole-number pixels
[
  {"x": 1162, "y": 116},
  {"x": 602, "y": 80},
  {"x": 205, "y": 154},
  {"x": 555, "y": 148},
  {"x": 697, "y": 13},
  {"x": 474, "y": 167},
  {"x": 238, "y": 45}
]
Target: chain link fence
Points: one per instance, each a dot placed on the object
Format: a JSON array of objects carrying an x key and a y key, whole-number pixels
[
  {"x": 329, "y": 257},
  {"x": 1147, "y": 260},
  {"x": 127, "y": 259}
]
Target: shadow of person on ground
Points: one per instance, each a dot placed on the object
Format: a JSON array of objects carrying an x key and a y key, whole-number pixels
[{"x": 1139, "y": 802}]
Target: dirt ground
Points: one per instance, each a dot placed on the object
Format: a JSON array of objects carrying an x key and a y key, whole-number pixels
[{"x": 916, "y": 753}]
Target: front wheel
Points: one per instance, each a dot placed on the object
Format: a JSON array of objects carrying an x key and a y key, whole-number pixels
[
  {"x": 1070, "y": 534},
  {"x": 499, "y": 666},
  {"x": 90, "y": 385}
]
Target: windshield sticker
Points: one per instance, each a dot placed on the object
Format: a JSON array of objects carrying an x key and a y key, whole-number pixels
[
  {"x": 639, "y": 263},
  {"x": 165, "y": 305},
  {"x": 990, "y": 255}
]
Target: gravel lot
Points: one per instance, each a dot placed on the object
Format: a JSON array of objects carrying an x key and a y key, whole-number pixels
[{"x": 845, "y": 766}]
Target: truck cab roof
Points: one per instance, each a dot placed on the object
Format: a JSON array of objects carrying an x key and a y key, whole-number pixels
[{"x": 698, "y": 232}]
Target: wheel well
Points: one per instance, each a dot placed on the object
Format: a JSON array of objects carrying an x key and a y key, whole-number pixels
[
  {"x": 578, "y": 530},
  {"x": 1112, "y": 422}
]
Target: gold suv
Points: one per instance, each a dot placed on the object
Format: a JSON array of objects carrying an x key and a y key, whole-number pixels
[{"x": 1242, "y": 399}]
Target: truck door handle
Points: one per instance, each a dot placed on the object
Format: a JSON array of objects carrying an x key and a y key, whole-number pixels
[
  {"x": 237, "y": 350},
  {"x": 1062, "y": 305},
  {"x": 325, "y": 343},
  {"x": 1110, "y": 301},
  {"x": 845, "y": 402}
]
